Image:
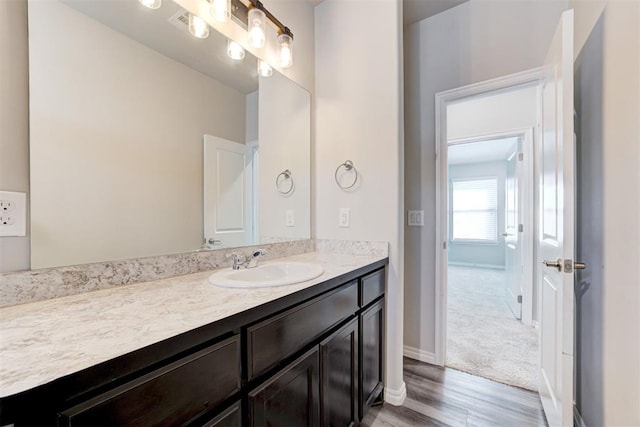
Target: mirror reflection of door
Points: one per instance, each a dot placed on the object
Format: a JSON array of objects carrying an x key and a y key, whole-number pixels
[{"x": 229, "y": 197}]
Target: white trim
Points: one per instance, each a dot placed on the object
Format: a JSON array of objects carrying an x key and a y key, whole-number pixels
[
  {"x": 420, "y": 355},
  {"x": 471, "y": 264},
  {"x": 254, "y": 148},
  {"x": 396, "y": 397},
  {"x": 509, "y": 82}
]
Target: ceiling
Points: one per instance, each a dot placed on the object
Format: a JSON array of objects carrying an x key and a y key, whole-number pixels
[
  {"x": 482, "y": 151},
  {"x": 417, "y": 10}
]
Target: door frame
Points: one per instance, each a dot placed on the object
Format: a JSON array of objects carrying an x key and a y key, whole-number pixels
[
  {"x": 526, "y": 207},
  {"x": 533, "y": 77}
]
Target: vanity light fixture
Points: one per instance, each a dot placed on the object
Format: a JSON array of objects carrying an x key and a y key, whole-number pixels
[
  {"x": 234, "y": 50},
  {"x": 257, "y": 25},
  {"x": 198, "y": 27},
  {"x": 285, "y": 52},
  {"x": 257, "y": 35},
  {"x": 151, "y": 4},
  {"x": 264, "y": 69},
  {"x": 221, "y": 10}
]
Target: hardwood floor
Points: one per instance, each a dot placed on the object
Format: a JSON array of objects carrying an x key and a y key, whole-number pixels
[{"x": 446, "y": 397}]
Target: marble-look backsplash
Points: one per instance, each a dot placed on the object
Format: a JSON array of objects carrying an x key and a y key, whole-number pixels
[
  {"x": 37, "y": 285},
  {"x": 353, "y": 247}
]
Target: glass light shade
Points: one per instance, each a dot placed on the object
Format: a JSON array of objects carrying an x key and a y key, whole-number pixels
[
  {"x": 235, "y": 51},
  {"x": 257, "y": 26},
  {"x": 197, "y": 27},
  {"x": 264, "y": 69},
  {"x": 151, "y": 4},
  {"x": 221, "y": 10},
  {"x": 285, "y": 50}
]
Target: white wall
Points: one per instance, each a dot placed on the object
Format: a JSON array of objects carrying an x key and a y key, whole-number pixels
[
  {"x": 358, "y": 117},
  {"x": 14, "y": 121},
  {"x": 475, "y": 41},
  {"x": 252, "y": 117},
  {"x": 116, "y": 142},
  {"x": 608, "y": 105},
  {"x": 285, "y": 143},
  {"x": 494, "y": 113}
]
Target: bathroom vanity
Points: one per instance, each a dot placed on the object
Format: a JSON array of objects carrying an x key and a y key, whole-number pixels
[{"x": 304, "y": 354}]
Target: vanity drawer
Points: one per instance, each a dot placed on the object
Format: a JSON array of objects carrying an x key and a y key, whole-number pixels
[
  {"x": 280, "y": 336},
  {"x": 170, "y": 395},
  {"x": 371, "y": 287}
]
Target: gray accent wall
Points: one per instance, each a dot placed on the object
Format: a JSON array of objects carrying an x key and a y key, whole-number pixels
[{"x": 479, "y": 254}]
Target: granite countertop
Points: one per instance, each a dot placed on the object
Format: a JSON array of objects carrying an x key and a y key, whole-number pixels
[{"x": 46, "y": 340}]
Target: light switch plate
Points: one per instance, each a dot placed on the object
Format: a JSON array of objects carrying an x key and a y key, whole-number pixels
[
  {"x": 344, "y": 219},
  {"x": 415, "y": 218},
  {"x": 290, "y": 220},
  {"x": 13, "y": 214}
]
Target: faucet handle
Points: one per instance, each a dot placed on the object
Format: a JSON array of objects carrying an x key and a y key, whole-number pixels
[
  {"x": 259, "y": 252},
  {"x": 236, "y": 257}
]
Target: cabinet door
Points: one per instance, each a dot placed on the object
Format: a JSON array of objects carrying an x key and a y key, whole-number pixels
[
  {"x": 171, "y": 395},
  {"x": 372, "y": 344},
  {"x": 231, "y": 417},
  {"x": 290, "y": 397},
  {"x": 339, "y": 377}
]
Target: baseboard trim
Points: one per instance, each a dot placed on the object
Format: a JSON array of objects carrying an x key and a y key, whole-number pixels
[
  {"x": 421, "y": 355},
  {"x": 577, "y": 418},
  {"x": 395, "y": 397},
  {"x": 470, "y": 264}
]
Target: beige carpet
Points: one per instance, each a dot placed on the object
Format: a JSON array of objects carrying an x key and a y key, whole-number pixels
[{"x": 483, "y": 337}]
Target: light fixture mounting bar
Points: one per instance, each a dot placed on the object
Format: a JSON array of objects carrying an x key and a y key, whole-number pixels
[
  {"x": 282, "y": 29},
  {"x": 239, "y": 12}
]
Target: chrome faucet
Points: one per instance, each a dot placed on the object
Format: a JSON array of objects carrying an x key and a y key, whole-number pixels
[{"x": 246, "y": 261}]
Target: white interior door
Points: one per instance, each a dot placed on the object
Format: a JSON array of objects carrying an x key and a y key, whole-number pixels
[
  {"x": 228, "y": 193},
  {"x": 556, "y": 240},
  {"x": 512, "y": 241}
]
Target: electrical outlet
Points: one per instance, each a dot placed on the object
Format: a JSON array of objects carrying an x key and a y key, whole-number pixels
[
  {"x": 6, "y": 219},
  {"x": 290, "y": 220},
  {"x": 13, "y": 214},
  {"x": 415, "y": 218},
  {"x": 6, "y": 206},
  {"x": 344, "y": 219}
]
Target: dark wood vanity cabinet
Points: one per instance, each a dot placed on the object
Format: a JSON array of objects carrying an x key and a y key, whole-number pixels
[
  {"x": 168, "y": 395},
  {"x": 290, "y": 397},
  {"x": 371, "y": 368},
  {"x": 312, "y": 358},
  {"x": 339, "y": 377}
]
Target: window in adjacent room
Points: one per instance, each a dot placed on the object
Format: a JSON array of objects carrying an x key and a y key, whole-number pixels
[{"x": 475, "y": 210}]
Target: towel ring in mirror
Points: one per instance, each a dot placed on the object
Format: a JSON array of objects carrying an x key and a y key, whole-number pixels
[
  {"x": 281, "y": 178},
  {"x": 347, "y": 166}
]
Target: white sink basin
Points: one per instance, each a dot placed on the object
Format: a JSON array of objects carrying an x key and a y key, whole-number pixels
[{"x": 267, "y": 275}]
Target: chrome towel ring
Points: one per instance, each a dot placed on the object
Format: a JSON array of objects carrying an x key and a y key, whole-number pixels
[
  {"x": 281, "y": 178},
  {"x": 348, "y": 167}
]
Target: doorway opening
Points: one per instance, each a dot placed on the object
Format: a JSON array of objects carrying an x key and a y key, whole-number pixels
[
  {"x": 486, "y": 304},
  {"x": 488, "y": 279}
]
